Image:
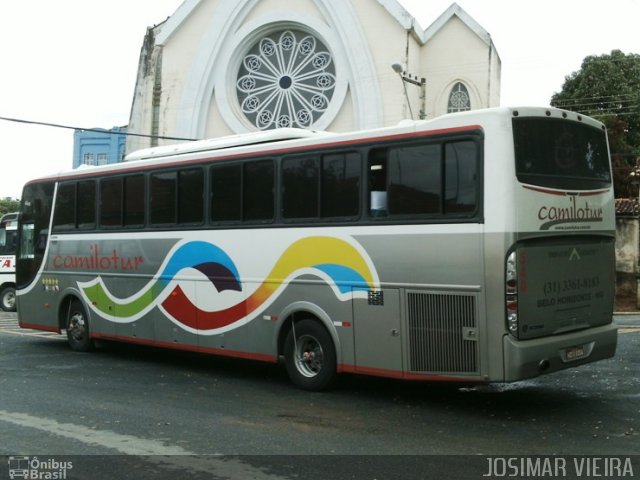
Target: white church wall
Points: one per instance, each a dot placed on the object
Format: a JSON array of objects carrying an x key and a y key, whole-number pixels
[
  {"x": 202, "y": 48},
  {"x": 387, "y": 41},
  {"x": 454, "y": 54}
]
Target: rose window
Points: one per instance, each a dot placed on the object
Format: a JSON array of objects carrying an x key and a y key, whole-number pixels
[
  {"x": 459, "y": 99},
  {"x": 287, "y": 79}
]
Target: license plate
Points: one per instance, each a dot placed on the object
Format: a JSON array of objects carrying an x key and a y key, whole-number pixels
[{"x": 574, "y": 353}]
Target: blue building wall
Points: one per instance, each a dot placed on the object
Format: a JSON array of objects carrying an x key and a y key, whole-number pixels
[{"x": 98, "y": 147}]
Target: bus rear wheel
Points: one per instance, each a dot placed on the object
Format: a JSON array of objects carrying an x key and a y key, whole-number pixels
[
  {"x": 8, "y": 299},
  {"x": 78, "y": 334},
  {"x": 310, "y": 356}
]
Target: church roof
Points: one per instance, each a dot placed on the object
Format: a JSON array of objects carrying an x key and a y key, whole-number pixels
[
  {"x": 627, "y": 207},
  {"x": 397, "y": 11},
  {"x": 456, "y": 10},
  {"x": 411, "y": 24}
]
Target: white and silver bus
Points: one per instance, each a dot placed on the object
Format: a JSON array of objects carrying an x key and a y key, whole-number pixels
[
  {"x": 474, "y": 247},
  {"x": 8, "y": 231}
]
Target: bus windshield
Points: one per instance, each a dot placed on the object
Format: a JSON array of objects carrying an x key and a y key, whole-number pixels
[
  {"x": 550, "y": 152},
  {"x": 7, "y": 241},
  {"x": 8, "y": 230}
]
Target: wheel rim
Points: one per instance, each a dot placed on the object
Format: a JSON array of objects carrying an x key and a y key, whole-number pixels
[
  {"x": 309, "y": 356},
  {"x": 77, "y": 327},
  {"x": 9, "y": 300}
]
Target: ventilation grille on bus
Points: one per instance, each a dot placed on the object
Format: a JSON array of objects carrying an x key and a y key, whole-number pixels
[{"x": 442, "y": 333}]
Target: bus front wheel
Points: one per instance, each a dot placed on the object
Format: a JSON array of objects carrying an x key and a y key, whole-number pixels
[
  {"x": 8, "y": 299},
  {"x": 310, "y": 355},
  {"x": 78, "y": 334}
]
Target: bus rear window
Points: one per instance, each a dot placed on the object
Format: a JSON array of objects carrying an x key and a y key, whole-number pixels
[{"x": 562, "y": 154}]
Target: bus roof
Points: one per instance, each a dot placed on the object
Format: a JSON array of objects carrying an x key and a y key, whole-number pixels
[
  {"x": 9, "y": 221},
  {"x": 8, "y": 217},
  {"x": 295, "y": 138},
  {"x": 219, "y": 143}
]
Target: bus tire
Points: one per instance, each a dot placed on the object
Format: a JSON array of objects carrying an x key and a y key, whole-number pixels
[
  {"x": 8, "y": 299},
  {"x": 310, "y": 359},
  {"x": 78, "y": 333}
]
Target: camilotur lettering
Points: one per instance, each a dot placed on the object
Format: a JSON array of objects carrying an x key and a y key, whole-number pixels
[
  {"x": 572, "y": 213},
  {"x": 96, "y": 261}
]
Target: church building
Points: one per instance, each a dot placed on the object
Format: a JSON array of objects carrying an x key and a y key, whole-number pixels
[{"x": 223, "y": 67}]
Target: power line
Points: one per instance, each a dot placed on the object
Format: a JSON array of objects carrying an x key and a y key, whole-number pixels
[
  {"x": 594, "y": 103},
  {"x": 632, "y": 99},
  {"x": 96, "y": 130}
]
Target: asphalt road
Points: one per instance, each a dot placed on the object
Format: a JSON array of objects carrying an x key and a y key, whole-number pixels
[{"x": 157, "y": 413}]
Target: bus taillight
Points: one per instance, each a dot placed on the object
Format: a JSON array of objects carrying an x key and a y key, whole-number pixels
[{"x": 512, "y": 293}]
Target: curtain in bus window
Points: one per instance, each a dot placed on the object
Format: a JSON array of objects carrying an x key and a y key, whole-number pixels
[
  {"x": 65, "y": 213},
  {"x": 414, "y": 180},
  {"x": 134, "y": 200},
  {"x": 3, "y": 241},
  {"x": 87, "y": 204},
  {"x": 226, "y": 189},
  {"x": 111, "y": 202},
  {"x": 300, "y": 184},
  {"x": 163, "y": 198},
  {"x": 190, "y": 196},
  {"x": 258, "y": 191},
  {"x": 460, "y": 177},
  {"x": 340, "y": 185}
]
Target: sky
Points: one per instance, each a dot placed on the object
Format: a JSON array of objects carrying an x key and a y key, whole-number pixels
[{"x": 74, "y": 62}]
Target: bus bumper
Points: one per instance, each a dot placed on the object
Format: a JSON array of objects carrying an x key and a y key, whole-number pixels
[{"x": 530, "y": 358}]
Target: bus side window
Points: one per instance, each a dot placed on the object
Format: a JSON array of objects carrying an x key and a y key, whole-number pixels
[
  {"x": 378, "y": 182},
  {"x": 461, "y": 177},
  {"x": 135, "y": 195},
  {"x": 111, "y": 202},
  {"x": 191, "y": 196},
  {"x": 414, "y": 178},
  {"x": 340, "y": 185},
  {"x": 300, "y": 185},
  {"x": 164, "y": 191},
  {"x": 27, "y": 247},
  {"x": 86, "y": 204},
  {"x": 64, "y": 216},
  {"x": 258, "y": 180},
  {"x": 226, "y": 193},
  {"x": 41, "y": 245}
]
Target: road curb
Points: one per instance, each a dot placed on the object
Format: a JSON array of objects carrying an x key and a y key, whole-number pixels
[{"x": 627, "y": 318}]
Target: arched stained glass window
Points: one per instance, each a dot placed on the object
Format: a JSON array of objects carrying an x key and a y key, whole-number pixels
[
  {"x": 287, "y": 79},
  {"x": 459, "y": 99}
]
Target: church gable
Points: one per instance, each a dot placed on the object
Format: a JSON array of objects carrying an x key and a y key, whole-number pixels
[
  {"x": 463, "y": 65},
  {"x": 455, "y": 11},
  {"x": 234, "y": 66}
]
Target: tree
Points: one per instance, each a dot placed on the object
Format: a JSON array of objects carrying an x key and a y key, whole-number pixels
[
  {"x": 8, "y": 205},
  {"x": 607, "y": 87}
]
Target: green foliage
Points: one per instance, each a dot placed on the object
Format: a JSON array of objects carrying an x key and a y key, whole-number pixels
[
  {"x": 607, "y": 87},
  {"x": 8, "y": 205}
]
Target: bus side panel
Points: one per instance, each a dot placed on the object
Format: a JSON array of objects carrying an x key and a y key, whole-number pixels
[
  {"x": 428, "y": 317},
  {"x": 39, "y": 312},
  {"x": 306, "y": 297},
  {"x": 496, "y": 244},
  {"x": 378, "y": 340}
]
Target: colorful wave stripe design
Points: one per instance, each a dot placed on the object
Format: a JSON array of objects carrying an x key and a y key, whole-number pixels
[
  {"x": 332, "y": 259},
  {"x": 218, "y": 267}
]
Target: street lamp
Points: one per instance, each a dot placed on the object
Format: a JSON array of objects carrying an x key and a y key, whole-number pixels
[{"x": 422, "y": 83}]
